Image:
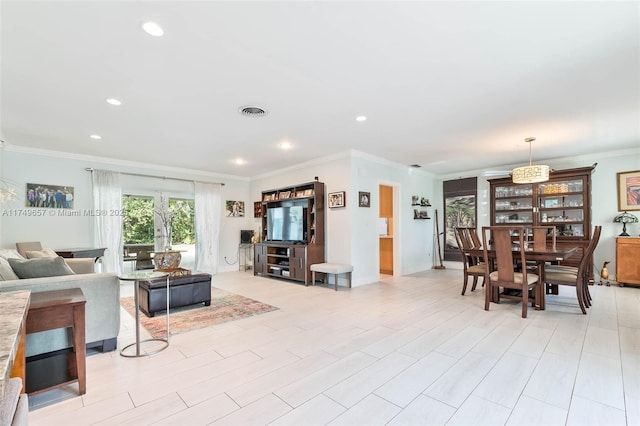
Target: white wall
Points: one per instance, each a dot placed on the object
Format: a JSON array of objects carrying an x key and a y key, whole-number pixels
[
  {"x": 351, "y": 232},
  {"x": 604, "y": 202},
  {"x": 23, "y": 166}
]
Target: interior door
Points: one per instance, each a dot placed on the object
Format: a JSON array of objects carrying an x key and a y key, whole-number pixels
[{"x": 386, "y": 240}]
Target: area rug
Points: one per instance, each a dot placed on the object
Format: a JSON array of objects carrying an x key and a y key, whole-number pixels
[{"x": 225, "y": 307}]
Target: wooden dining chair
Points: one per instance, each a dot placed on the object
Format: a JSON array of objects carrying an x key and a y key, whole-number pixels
[
  {"x": 541, "y": 235},
  {"x": 475, "y": 238},
  {"x": 538, "y": 239},
  {"x": 576, "y": 276},
  {"x": 470, "y": 265},
  {"x": 506, "y": 276}
]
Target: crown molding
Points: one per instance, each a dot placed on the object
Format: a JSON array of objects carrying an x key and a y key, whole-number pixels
[
  {"x": 585, "y": 158},
  {"x": 120, "y": 163}
]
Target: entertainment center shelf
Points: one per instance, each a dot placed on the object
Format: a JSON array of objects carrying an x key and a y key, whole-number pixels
[{"x": 292, "y": 232}]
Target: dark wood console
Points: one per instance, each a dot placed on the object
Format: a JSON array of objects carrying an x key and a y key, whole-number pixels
[{"x": 289, "y": 259}]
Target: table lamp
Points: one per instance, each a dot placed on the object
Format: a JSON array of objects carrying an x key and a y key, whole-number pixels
[{"x": 625, "y": 218}]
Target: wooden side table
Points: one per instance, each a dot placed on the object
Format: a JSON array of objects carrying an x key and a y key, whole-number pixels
[{"x": 58, "y": 309}]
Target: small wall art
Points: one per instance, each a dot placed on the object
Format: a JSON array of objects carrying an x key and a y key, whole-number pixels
[
  {"x": 337, "y": 199},
  {"x": 51, "y": 196},
  {"x": 364, "y": 199},
  {"x": 629, "y": 190},
  {"x": 234, "y": 208}
]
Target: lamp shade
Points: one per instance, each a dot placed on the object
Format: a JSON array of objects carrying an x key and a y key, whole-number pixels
[
  {"x": 530, "y": 174},
  {"x": 625, "y": 218},
  {"x": 533, "y": 173}
]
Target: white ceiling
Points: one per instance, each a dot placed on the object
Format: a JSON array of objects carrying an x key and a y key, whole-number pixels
[{"x": 451, "y": 86}]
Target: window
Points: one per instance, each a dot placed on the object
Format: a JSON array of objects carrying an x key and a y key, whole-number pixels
[
  {"x": 183, "y": 233},
  {"x": 137, "y": 223}
]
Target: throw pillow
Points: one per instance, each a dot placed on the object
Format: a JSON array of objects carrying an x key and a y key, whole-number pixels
[
  {"x": 43, "y": 267},
  {"x": 6, "y": 273},
  {"x": 37, "y": 254},
  {"x": 10, "y": 254}
]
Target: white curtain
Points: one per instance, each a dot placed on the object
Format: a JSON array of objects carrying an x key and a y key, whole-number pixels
[
  {"x": 208, "y": 206},
  {"x": 107, "y": 202}
]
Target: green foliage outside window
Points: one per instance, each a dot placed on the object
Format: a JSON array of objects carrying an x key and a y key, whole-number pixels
[
  {"x": 138, "y": 220},
  {"x": 137, "y": 223},
  {"x": 182, "y": 219}
]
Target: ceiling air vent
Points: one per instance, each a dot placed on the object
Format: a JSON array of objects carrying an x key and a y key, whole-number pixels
[
  {"x": 253, "y": 111},
  {"x": 415, "y": 166}
]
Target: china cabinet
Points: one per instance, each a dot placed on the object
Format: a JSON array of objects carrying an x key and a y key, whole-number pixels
[{"x": 564, "y": 201}]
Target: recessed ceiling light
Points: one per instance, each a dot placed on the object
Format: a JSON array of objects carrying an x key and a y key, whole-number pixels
[
  {"x": 285, "y": 145},
  {"x": 96, "y": 137},
  {"x": 114, "y": 101},
  {"x": 153, "y": 29},
  {"x": 239, "y": 161},
  {"x": 361, "y": 118}
]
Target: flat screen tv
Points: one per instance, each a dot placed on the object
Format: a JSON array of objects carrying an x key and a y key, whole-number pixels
[{"x": 286, "y": 224}]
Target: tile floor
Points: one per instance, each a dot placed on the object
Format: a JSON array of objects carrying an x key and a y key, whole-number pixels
[{"x": 406, "y": 350}]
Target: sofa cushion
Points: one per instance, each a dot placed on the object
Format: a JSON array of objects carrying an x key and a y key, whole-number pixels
[
  {"x": 6, "y": 273},
  {"x": 10, "y": 254},
  {"x": 37, "y": 254},
  {"x": 43, "y": 267}
]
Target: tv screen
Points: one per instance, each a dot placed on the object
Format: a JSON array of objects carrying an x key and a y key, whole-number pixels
[{"x": 285, "y": 223}]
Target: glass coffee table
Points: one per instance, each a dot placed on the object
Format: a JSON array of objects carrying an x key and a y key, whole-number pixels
[{"x": 136, "y": 277}]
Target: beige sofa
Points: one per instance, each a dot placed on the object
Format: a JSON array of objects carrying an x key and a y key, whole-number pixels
[{"x": 102, "y": 310}]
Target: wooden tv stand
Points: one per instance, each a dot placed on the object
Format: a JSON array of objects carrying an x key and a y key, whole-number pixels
[{"x": 291, "y": 261}]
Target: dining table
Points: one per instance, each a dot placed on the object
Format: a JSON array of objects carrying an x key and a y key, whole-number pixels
[{"x": 538, "y": 255}]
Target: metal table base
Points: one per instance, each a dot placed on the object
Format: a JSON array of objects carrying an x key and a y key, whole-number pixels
[{"x": 136, "y": 277}]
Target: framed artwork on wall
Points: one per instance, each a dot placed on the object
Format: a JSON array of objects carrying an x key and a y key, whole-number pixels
[
  {"x": 52, "y": 196},
  {"x": 364, "y": 199},
  {"x": 337, "y": 199},
  {"x": 629, "y": 190},
  {"x": 234, "y": 208}
]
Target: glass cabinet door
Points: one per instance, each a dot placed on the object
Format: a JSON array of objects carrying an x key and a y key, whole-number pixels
[
  {"x": 562, "y": 205},
  {"x": 513, "y": 204}
]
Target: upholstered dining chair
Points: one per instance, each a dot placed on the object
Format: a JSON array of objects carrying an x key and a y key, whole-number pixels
[
  {"x": 576, "y": 276},
  {"x": 505, "y": 276},
  {"x": 475, "y": 238},
  {"x": 541, "y": 234},
  {"x": 470, "y": 266},
  {"x": 537, "y": 237}
]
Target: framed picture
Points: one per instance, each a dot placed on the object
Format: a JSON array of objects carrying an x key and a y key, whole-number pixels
[
  {"x": 629, "y": 190},
  {"x": 234, "y": 208},
  {"x": 52, "y": 196},
  {"x": 364, "y": 199},
  {"x": 551, "y": 202},
  {"x": 337, "y": 199}
]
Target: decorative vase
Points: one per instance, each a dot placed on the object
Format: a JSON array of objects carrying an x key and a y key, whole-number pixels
[{"x": 167, "y": 259}]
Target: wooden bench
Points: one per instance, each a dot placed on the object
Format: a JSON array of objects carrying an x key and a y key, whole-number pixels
[{"x": 331, "y": 268}]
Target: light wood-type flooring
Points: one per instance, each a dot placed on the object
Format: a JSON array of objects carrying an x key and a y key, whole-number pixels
[{"x": 408, "y": 350}]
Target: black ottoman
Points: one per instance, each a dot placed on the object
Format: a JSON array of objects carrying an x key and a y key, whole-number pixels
[{"x": 183, "y": 291}]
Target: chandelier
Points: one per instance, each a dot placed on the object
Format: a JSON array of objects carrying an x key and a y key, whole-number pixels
[{"x": 533, "y": 173}]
